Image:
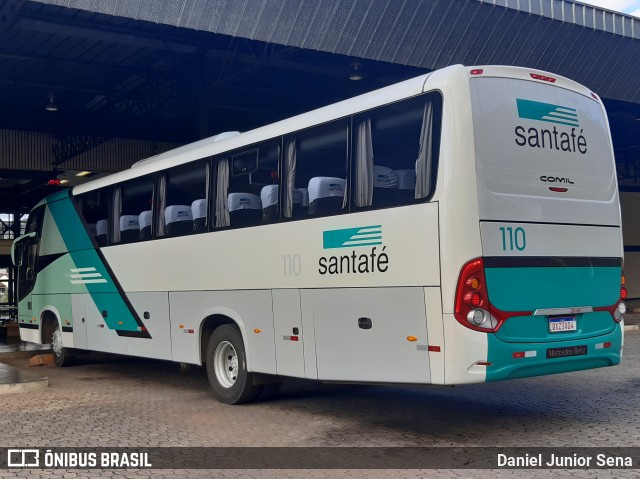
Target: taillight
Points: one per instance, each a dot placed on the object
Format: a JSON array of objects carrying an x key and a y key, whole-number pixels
[
  {"x": 621, "y": 308},
  {"x": 472, "y": 308},
  {"x": 477, "y": 71},
  {"x": 536, "y": 76}
]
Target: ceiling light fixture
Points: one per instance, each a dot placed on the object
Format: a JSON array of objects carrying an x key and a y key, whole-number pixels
[
  {"x": 355, "y": 71},
  {"x": 83, "y": 173},
  {"x": 51, "y": 103}
]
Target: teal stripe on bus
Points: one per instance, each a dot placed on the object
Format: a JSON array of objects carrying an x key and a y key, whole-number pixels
[
  {"x": 83, "y": 254},
  {"x": 530, "y": 288}
]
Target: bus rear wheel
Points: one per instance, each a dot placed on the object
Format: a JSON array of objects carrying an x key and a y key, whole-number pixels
[
  {"x": 61, "y": 354},
  {"x": 230, "y": 381}
]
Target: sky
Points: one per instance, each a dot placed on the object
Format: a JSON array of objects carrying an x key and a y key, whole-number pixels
[{"x": 632, "y": 7}]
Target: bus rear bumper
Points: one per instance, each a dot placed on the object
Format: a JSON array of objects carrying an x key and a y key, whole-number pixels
[{"x": 520, "y": 360}]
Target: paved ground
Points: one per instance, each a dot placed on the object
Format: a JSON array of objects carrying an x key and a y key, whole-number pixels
[{"x": 124, "y": 402}]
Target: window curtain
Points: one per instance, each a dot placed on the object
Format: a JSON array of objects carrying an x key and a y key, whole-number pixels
[
  {"x": 162, "y": 205},
  {"x": 364, "y": 164},
  {"x": 425, "y": 156},
  {"x": 222, "y": 188},
  {"x": 290, "y": 184},
  {"x": 207, "y": 183},
  {"x": 117, "y": 212}
]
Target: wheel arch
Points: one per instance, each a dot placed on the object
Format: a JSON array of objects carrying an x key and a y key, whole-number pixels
[
  {"x": 214, "y": 319},
  {"x": 49, "y": 319}
]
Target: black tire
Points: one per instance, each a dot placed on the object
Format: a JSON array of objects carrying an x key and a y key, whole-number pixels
[
  {"x": 230, "y": 381},
  {"x": 63, "y": 356}
]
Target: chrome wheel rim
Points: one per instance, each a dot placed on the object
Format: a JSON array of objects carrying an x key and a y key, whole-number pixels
[
  {"x": 56, "y": 342},
  {"x": 225, "y": 360}
]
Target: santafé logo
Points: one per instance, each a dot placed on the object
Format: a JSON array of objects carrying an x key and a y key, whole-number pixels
[
  {"x": 351, "y": 237},
  {"x": 553, "y": 138},
  {"x": 373, "y": 261},
  {"x": 536, "y": 110}
]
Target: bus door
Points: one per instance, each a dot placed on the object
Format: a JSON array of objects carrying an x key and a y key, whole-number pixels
[{"x": 25, "y": 256}]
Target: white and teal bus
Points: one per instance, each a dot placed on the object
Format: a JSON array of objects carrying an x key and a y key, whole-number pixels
[{"x": 459, "y": 227}]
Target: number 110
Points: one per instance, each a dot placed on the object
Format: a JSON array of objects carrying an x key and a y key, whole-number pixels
[{"x": 513, "y": 239}]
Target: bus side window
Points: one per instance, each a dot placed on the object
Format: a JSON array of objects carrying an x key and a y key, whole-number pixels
[
  {"x": 247, "y": 186},
  {"x": 315, "y": 166},
  {"x": 130, "y": 200},
  {"x": 94, "y": 207},
  {"x": 395, "y": 154},
  {"x": 182, "y": 200}
]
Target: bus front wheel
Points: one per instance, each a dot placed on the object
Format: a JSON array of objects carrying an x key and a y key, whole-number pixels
[
  {"x": 230, "y": 381},
  {"x": 61, "y": 354}
]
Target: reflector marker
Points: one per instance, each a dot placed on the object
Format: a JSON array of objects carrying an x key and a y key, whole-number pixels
[
  {"x": 525, "y": 354},
  {"x": 603, "y": 345},
  {"x": 434, "y": 349},
  {"x": 290, "y": 338}
]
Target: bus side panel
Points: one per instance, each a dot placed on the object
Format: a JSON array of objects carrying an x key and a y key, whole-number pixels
[
  {"x": 370, "y": 334},
  {"x": 251, "y": 310},
  {"x": 101, "y": 337},
  {"x": 464, "y": 349},
  {"x": 79, "y": 312},
  {"x": 290, "y": 335},
  {"x": 435, "y": 333},
  {"x": 154, "y": 309}
]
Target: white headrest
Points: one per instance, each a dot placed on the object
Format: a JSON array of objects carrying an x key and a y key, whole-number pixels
[
  {"x": 129, "y": 222},
  {"x": 324, "y": 187},
  {"x": 199, "y": 209},
  {"x": 304, "y": 196},
  {"x": 269, "y": 195},
  {"x": 102, "y": 227},
  {"x": 175, "y": 213},
  {"x": 384, "y": 177},
  {"x": 145, "y": 219},
  {"x": 406, "y": 179},
  {"x": 244, "y": 201}
]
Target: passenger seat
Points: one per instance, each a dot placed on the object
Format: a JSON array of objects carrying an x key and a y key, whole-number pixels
[
  {"x": 178, "y": 220},
  {"x": 245, "y": 209},
  {"x": 326, "y": 195}
]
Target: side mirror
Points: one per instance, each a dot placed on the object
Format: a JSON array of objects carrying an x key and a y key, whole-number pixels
[{"x": 16, "y": 259}]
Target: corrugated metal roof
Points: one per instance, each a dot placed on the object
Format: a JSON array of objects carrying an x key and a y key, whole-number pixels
[
  {"x": 578, "y": 14},
  {"x": 593, "y": 46},
  {"x": 26, "y": 150}
]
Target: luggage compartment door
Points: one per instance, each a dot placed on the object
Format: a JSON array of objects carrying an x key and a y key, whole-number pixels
[{"x": 369, "y": 334}]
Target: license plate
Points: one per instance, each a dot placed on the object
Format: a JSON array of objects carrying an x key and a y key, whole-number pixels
[
  {"x": 565, "y": 323},
  {"x": 564, "y": 352}
]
